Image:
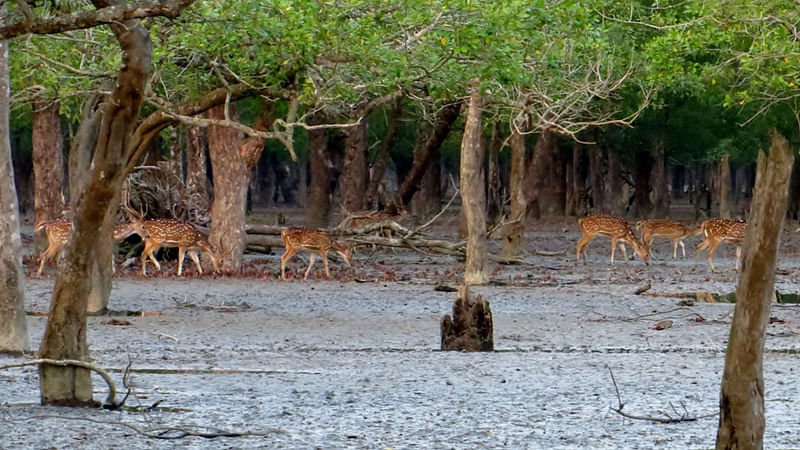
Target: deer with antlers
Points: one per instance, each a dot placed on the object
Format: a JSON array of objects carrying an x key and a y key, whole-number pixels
[
  {"x": 666, "y": 228},
  {"x": 315, "y": 241},
  {"x": 58, "y": 231},
  {"x": 717, "y": 231},
  {"x": 613, "y": 227}
]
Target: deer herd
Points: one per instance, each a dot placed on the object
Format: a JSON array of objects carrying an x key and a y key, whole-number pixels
[
  {"x": 714, "y": 232},
  {"x": 157, "y": 233}
]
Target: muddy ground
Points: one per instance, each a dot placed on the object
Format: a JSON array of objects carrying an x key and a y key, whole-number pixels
[{"x": 356, "y": 364}]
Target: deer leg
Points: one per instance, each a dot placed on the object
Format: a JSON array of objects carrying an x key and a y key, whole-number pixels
[
  {"x": 47, "y": 254},
  {"x": 193, "y": 255},
  {"x": 284, "y": 259},
  {"x": 325, "y": 262},
  {"x": 703, "y": 245},
  {"x": 310, "y": 263},
  {"x": 738, "y": 257},
  {"x": 614, "y": 248},
  {"x": 675, "y": 250},
  {"x": 149, "y": 248},
  {"x": 581, "y": 248},
  {"x": 711, "y": 248}
]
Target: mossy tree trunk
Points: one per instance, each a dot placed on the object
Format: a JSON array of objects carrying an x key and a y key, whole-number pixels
[{"x": 741, "y": 418}]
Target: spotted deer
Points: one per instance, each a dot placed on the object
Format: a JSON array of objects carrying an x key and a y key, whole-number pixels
[
  {"x": 315, "y": 241},
  {"x": 613, "y": 227},
  {"x": 174, "y": 233},
  {"x": 717, "y": 231},
  {"x": 666, "y": 228},
  {"x": 59, "y": 230}
]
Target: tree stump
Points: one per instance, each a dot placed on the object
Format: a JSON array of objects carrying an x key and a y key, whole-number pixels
[{"x": 471, "y": 327}]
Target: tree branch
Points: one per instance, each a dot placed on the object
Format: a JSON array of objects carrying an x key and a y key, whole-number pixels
[{"x": 88, "y": 19}]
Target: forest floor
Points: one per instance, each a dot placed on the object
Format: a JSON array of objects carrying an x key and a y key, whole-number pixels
[{"x": 355, "y": 362}]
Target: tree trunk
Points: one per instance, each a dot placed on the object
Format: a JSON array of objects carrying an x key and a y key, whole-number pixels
[
  {"x": 428, "y": 151},
  {"x": 378, "y": 169},
  {"x": 724, "y": 187},
  {"x": 578, "y": 180},
  {"x": 13, "y": 326},
  {"x": 641, "y": 194},
  {"x": 322, "y": 179},
  {"x": 537, "y": 174},
  {"x": 48, "y": 165},
  {"x": 65, "y": 334},
  {"x": 196, "y": 193},
  {"x": 658, "y": 177},
  {"x": 427, "y": 201},
  {"x": 354, "y": 168},
  {"x": 471, "y": 326},
  {"x": 597, "y": 173},
  {"x": 741, "y": 418},
  {"x": 231, "y": 178},
  {"x": 495, "y": 187},
  {"x": 512, "y": 239},
  {"x": 617, "y": 199},
  {"x": 473, "y": 196}
]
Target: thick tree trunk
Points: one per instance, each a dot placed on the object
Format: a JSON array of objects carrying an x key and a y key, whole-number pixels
[
  {"x": 494, "y": 186},
  {"x": 658, "y": 177},
  {"x": 641, "y": 194},
  {"x": 512, "y": 239},
  {"x": 617, "y": 199},
  {"x": 724, "y": 187},
  {"x": 196, "y": 189},
  {"x": 537, "y": 174},
  {"x": 48, "y": 165},
  {"x": 353, "y": 182},
  {"x": 13, "y": 326},
  {"x": 597, "y": 173},
  {"x": 322, "y": 179},
  {"x": 428, "y": 151},
  {"x": 741, "y": 419},
  {"x": 427, "y": 200},
  {"x": 231, "y": 178},
  {"x": 65, "y": 334},
  {"x": 378, "y": 169},
  {"x": 473, "y": 196},
  {"x": 471, "y": 326},
  {"x": 578, "y": 177}
]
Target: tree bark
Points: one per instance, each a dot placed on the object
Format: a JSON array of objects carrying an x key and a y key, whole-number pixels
[
  {"x": 13, "y": 326},
  {"x": 323, "y": 178},
  {"x": 384, "y": 156},
  {"x": 618, "y": 193},
  {"x": 354, "y": 168},
  {"x": 471, "y": 326},
  {"x": 641, "y": 194},
  {"x": 473, "y": 196},
  {"x": 537, "y": 174},
  {"x": 65, "y": 334},
  {"x": 597, "y": 173},
  {"x": 48, "y": 165},
  {"x": 658, "y": 177},
  {"x": 196, "y": 188},
  {"x": 428, "y": 151},
  {"x": 724, "y": 187},
  {"x": 494, "y": 186},
  {"x": 741, "y": 419},
  {"x": 229, "y": 156},
  {"x": 512, "y": 239}
]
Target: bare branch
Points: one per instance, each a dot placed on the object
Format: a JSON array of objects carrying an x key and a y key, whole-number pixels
[{"x": 88, "y": 19}]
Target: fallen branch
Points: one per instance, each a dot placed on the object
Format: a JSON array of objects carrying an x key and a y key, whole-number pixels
[
  {"x": 112, "y": 389},
  {"x": 548, "y": 253},
  {"x": 683, "y": 417}
]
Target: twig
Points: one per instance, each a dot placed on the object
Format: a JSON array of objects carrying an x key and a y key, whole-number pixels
[{"x": 684, "y": 417}]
